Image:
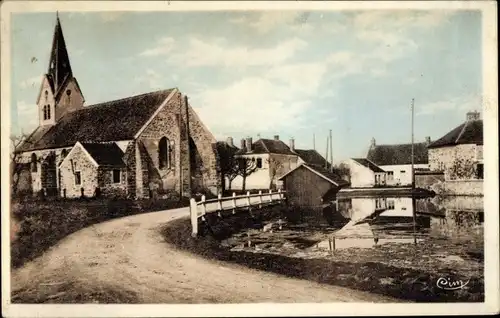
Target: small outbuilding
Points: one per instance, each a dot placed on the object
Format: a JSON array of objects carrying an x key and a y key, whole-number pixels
[{"x": 311, "y": 187}]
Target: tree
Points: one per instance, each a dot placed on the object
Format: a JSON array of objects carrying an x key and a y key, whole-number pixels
[
  {"x": 245, "y": 167},
  {"x": 461, "y": 168},
  {"x": 16, "y": 164},
  {"x": 275, "y": 166},
  {"x": 343, "y": 171},
  {"x": 226, "y": 164}
]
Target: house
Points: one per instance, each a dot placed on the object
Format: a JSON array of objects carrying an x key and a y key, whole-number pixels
[
  {"x": 396, "y": 160},
  {"x": 137, "y": 146},
  {"x": 311, "y": 187},
  {"x": 459, "y": 153},
  {"x": 365, "y": 174},
  {"x": 268, "y": 160}
]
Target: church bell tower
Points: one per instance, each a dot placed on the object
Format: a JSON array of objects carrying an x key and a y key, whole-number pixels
[{"x": 59, "y": 92}]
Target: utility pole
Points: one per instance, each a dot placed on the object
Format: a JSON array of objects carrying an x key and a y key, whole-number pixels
[
  {"x": 413, "y": 173},
  {"x": 331, "y": 152},
  {"x": 326, "y": 156},
  {"x": 314, "y": 141}
]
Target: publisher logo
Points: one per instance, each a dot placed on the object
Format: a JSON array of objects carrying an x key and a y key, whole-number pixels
[{"x": 447, "y": 283}]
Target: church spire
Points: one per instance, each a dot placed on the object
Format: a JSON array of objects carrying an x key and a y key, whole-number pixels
[{"x": 59, "y": 66}]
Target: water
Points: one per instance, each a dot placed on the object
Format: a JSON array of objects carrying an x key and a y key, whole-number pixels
[{"x": 382, "y": 220}]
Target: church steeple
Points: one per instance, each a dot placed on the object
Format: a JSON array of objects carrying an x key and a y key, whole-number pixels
[
  {"x": 59, "y": 92},
  {"x": 59, "y": 66}
]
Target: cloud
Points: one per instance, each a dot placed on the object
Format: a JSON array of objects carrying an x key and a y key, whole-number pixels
[
  {"x": 210, "y": 53},
  {"x": 27, "y": 114},
  {"x": 164, "y": 46},
  {"x": 254, "y": 104},
  {"x": 31, "y": 82},
  {"x": 111, "y": 16},
  {"x": 453, "y": 104},
  {"x": 152, "y": 79},
  {"x": 267, "y": 21}
]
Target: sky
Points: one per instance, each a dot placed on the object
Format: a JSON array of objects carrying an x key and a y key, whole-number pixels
[{"x": 296, "y": 74}]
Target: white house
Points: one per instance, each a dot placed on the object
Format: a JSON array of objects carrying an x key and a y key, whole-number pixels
[
  {"x": 272, "y": 158},
  {"x": 364, "y": 173},
  {"x": 396, "y": 160}
]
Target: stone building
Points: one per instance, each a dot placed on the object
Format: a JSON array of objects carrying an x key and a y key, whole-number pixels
[
  {"x": 396, "y": 160},
  {"x": 459, "y": 153},
  {"x": 138, "y": 146}
]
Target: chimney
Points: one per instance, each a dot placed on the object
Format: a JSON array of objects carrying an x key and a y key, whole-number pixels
[
  {"x": 473, "y": 115},
  {"x": 373, "y": 143},
  {"x": 249, "y": 144},
  {"x": 292, "y": 144},
  {"x": 230, "y": 141},
  {"x": 242, "y": 145},
  {"x": 276, "y": 137},
  {"x": 427, "y": 140}
]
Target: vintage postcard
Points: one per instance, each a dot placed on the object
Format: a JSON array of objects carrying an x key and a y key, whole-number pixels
[{"x": 249, "y": 159}]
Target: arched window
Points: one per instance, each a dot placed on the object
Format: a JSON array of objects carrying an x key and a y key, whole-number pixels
[
  {"x": 164, "y": 153},
  {"x": 48, "y": 111},
  {"x": 33, "y": 163},
  {"x": 44, "y": 112}
]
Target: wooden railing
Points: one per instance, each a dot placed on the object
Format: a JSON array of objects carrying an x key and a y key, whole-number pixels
[{"x": 231, "y": 203}]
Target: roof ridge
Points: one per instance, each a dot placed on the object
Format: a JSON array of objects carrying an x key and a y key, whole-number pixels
[
  {"x": 264, "y": 144},
  {"x": 401, "y": 144},
  {"x": 461, "y": 131},
  {"x": 124, "y": 99}
]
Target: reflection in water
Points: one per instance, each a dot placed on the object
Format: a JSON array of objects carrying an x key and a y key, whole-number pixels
[{"x": 382, "y": 220}]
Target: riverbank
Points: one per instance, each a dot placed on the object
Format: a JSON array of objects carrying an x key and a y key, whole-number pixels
[
  {"x": 383, "y": 191},
  {"x": 405, "y": 271}
]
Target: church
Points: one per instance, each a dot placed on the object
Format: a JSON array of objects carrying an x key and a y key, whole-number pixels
[{"x": 137, "y": 147}]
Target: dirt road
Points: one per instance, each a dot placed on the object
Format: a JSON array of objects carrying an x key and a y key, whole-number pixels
[{"x": 129, "y": 254}]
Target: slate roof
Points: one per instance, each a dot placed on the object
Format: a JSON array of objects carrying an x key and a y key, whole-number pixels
[
  {"x": 332, "y": 177},
  {"x": 105, "y": 154},
  {"x": 110, "y": 121},
  {"x": 268, "y": 146},
  {"x": 398, "y": 154},
  {"x": 470, "y": 132},
  {"x": 311, "y": 157},
  {"x": 367, "y": 163}
]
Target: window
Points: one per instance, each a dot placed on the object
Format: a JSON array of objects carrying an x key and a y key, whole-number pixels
[
  {"x": 44, "y": 112},
  {"x": 259, "y": 163},
  {"x": 78, "y": 178},
  {"x": 68, "y": 92},
  {"x": 64, "y": 153},
  {"x": 116, "y": 176},
  {"x": 403, "y": 171},
  {"x": 164, "y": 153},
  {"x": 480, "y": 171},
  {"x": 390, "y": 175},
  {"x": 48, "y": 111},
  {"x": 34, "y": 165},
  {"x": 390, "y": 204}
]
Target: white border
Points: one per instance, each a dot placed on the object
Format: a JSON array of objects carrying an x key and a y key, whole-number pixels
[{"x": 490, "y": 111}]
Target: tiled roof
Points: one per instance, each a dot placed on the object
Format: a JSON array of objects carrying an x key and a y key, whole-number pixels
[
  {"x": 470, "y": 132},
  {"x": 398, "y": 154},
  {"x": 105, "y": 154},
  {"x": 311, "y": 157},
  {"x": 268, "y": 146},
  {"x": 110, "y": 121},
  {"x": 367, "y": 163},
  {"x": 328, "y": 175}
]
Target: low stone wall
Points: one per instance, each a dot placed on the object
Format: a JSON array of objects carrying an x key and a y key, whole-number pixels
[
  {"x": 459, "y": 187},
  {"x": 426, "y": 180}
]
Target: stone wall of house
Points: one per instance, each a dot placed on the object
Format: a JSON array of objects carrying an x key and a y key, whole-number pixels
[
  {"x": 473, "y": 187},
  {"x": 106, "y": 184},
  {"x": 129, "y": 158},
  {"x": 46, "y": 174},
  {"x": 89, "y": 177},
  {"x": 427, "y": 179},
  {"x": 170, "y": 122},
  {"x": 457, "y": 162}
]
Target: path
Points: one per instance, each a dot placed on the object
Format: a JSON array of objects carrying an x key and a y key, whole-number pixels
[{"x": 130, "y": 254}]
